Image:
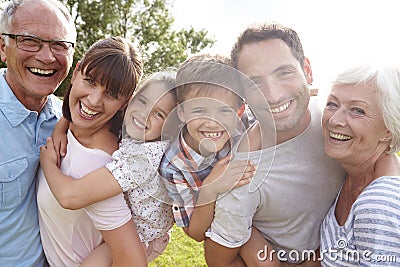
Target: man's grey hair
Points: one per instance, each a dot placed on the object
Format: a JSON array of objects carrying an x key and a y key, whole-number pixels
[{"x": 7, "y": 15}]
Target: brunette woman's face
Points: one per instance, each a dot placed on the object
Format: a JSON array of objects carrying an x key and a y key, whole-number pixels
[{"x": 91, "y": 106}]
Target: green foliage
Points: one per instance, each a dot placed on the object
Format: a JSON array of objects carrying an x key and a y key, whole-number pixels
[
  {"x": 181, "y": 251},
  {"x": 147, "y": 23},
  {"x": 162, "y": 47}
]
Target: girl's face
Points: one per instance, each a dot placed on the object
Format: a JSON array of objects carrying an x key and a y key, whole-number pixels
[
  {"x": 146, "y": 114},
  {"x": 91, "y": 106}
]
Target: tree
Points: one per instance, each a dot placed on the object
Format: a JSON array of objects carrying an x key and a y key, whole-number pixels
[{"x": 147, "y": 23}]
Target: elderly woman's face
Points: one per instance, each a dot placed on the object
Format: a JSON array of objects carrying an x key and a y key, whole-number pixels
[{"x": 352, "y": 122}]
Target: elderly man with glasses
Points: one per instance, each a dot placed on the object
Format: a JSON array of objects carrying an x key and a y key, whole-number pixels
[{"x": 37, "y": 44}]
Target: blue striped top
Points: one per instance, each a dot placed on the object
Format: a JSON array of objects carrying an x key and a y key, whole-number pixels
[{"x": 371, "y": 233}]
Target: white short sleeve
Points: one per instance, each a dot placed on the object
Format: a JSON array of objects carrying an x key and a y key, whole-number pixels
[
  {"x": 233, "y": 217},
  {"x": 109, "y": 214}
]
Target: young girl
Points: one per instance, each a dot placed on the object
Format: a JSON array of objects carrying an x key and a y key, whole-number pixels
[{"x": 133, "y": 169}]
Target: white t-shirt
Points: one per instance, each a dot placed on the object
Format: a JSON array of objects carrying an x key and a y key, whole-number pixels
[{"x": 68, "y": 236}]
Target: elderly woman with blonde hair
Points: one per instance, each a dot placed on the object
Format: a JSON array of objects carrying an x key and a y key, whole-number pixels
[{"x": 361, "y": 127}]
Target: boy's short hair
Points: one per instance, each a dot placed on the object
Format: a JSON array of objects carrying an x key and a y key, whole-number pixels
[{"x": 203, "y": 74}]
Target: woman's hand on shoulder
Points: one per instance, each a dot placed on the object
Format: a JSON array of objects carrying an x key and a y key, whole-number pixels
[
  {"x": 48, "y": 154},
  {"x": 60, "y": 139}
]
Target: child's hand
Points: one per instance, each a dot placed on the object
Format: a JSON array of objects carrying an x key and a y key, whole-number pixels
[
  {"x": 48, "y": 154},
  {"x": 60, "y": 140},
  {"x": 227, "y": 174}
]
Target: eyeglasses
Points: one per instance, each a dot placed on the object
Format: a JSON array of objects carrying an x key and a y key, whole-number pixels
[{"x": 34, "y": 44}]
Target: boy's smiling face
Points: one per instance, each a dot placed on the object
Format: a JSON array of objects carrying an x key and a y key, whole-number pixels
[{"x": 210, "y": 121}]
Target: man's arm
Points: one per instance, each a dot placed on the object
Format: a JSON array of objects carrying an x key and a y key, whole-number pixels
[
  {"x": 257, "y": 252},
  {"x": 220, "y": 256}
]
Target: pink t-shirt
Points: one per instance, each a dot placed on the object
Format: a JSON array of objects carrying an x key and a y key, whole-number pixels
[{"x": 68, "y": 236}]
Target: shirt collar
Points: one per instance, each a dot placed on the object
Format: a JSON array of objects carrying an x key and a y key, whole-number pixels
[
  {"x": 199, "y": 159},
  {"x": 15, "y": 111}
]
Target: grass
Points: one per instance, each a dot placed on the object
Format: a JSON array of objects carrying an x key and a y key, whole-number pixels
[{"x": 182, "y": 251}]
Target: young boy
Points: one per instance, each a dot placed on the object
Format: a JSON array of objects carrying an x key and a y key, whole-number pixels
[{"x": 197, "y": 166}]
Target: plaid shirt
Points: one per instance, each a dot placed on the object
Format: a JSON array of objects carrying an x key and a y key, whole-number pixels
[{"x": 184, "y": 170}]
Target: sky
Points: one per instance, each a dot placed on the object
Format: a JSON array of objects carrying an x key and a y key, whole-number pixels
[{"x": 334, "y": 33}]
